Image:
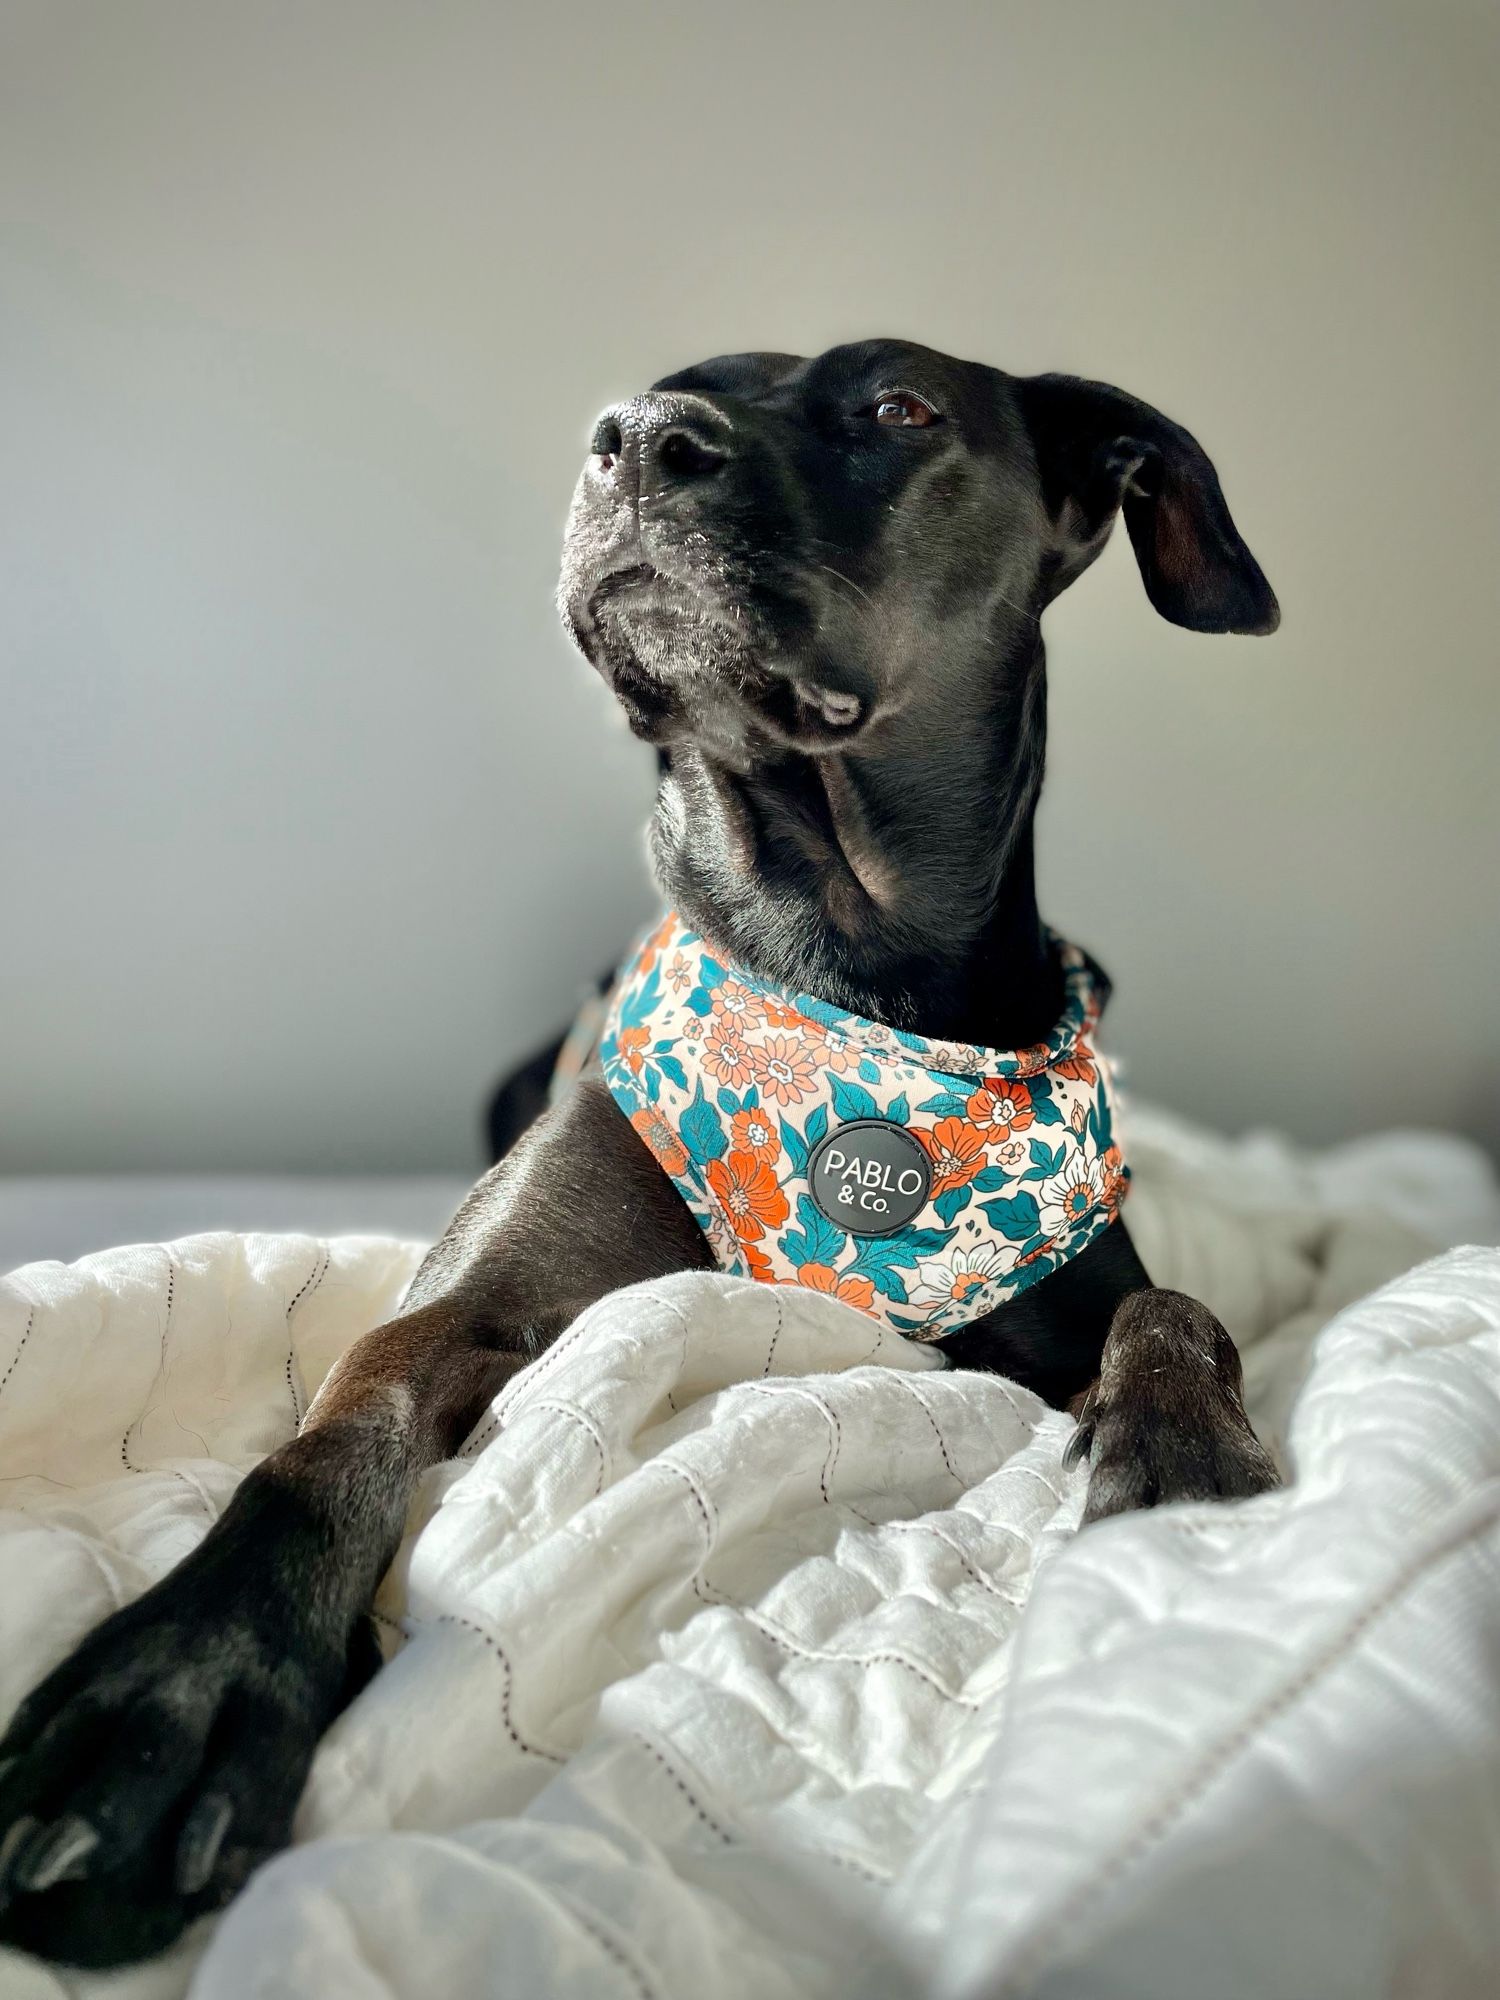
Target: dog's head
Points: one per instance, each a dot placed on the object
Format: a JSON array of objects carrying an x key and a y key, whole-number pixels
[{"x": 768, "y": 547}]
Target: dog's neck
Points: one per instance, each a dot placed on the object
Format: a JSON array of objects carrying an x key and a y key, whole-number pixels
[{"x": 894, "y": 879}]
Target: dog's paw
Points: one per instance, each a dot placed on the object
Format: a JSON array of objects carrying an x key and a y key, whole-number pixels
[
  {"x": 1165, "y": 1421},
  {"x": 148, "y": 1775},
  {"x": 1140, "y": 1456}
]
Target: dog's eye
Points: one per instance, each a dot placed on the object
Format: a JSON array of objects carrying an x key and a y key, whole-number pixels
[{"x": 902, "y": 407}]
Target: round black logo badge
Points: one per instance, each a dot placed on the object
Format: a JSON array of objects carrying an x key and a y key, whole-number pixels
[{"x": 870, "y": 1177}]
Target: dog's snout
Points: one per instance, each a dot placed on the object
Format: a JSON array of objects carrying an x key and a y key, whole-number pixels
[
  {"x": 607, "y": 442},
  {"x": 664, "y": 440},
  {"x": 682, "y": 451}
]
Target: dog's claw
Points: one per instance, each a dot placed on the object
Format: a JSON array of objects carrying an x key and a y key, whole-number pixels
[
  {"x": 1081, "y": 1443},
  {"x": 1076, "y": 1450},
  {"x": 12, "y": 1841},
  {"x": 55, "y": 1853},
  {"x": 202, "y": 1837}
]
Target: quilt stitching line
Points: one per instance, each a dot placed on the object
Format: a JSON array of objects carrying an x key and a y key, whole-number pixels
[
  {"x": 966, "y": 1562},
  {"x": 830, "y": 1417},
  {"x": 778, "y": 1635},
  {"x": 702, "y": 1589},
  {"x": 161, "y": 1362},
  {"x": 1218, "y": 1756},
  {"x": 321, "y": 1266},
  {"x": 30, "y": 1323},
  {"x": 780, "y": 1304},
  {"x": 531, "y": 1749},
  {"x": 697, "y": 1805},
  {"x": 585, "y": 1422},
  {"x": 921, "y": 1401}
]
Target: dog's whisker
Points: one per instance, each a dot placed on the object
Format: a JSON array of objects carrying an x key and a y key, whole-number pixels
[{"x": 831, "y": 571}]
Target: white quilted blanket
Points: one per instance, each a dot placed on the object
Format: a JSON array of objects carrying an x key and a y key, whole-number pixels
[{"x": 711, "y": 1675}]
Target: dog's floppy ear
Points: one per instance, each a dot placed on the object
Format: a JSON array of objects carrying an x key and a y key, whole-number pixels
[{"x": 1099, "y": 452}]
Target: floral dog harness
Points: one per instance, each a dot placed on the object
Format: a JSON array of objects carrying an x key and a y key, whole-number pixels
[{"x": 925, "y": 1183}]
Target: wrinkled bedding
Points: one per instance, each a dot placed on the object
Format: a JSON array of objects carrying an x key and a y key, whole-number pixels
[{"x": 708, "y": 1667}]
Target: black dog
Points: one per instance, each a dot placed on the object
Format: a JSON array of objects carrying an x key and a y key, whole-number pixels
[{"x": 815, "y": 586}]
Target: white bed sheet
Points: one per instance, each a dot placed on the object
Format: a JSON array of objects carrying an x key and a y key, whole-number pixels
[{"x": 711, "y": 1672}]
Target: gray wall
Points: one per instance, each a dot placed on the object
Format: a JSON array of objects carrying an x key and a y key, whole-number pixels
[{"x": 311, "y": 821}]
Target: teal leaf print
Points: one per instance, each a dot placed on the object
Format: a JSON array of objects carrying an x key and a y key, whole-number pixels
[
  {"x": 710, "y": 971},
  {"x": 1046, "y": 1161},
  {"x": 851, "y": 1100},
  {"x": 877, "y": 1260},
  {"x": 817, "y": 1241},
  {"x": 703, "y": 1130},
  {"x": 727, "y": 1100},
  {"x": 870, "y": 1071},
  {"x": 1016, "y": 1216},
  {"x": 990, "y": 1179},
  {"x": 888, "y": 1261},
  {"x": 817, "y": 1125},
  {"x": 945, "y": 1105},
  {"x": 953, "y": 1201},
  {"x": 1045, "y": 1111},
  {"x": 640, "y": 1002},
  {"x": 898, "y": 1110},
  {"x": 673, "y": 1071}
]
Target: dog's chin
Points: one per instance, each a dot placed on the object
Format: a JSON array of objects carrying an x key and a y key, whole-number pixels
[
  {"x": 732, "y": 709},
  {"x": 688, "y": 670}
]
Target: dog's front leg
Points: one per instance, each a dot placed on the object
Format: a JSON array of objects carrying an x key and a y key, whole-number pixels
[
  {"x": 152, "y": 1770},
  {"x": 1165, "y": 1419}
]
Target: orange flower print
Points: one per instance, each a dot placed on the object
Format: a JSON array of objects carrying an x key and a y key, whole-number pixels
[
  {"x": 679, "y": 974},
  {"x": 737, "y": 1005},
  {"x": 726, "y": 1054},
  {"x": 823, "y": 1278},
  {"x": 758, "y": 1265},
  {"x": 1080, "y": 1067},
  {"x": 779, "y": 1015},
  {"x": 841, "y": 1056},
  {"x": 1012, "y": 1152},
  {"x": 660, "y": 937},
  {"x": 632, "y": 1043},
  {"x": 956, "y": 1149},
  {"x": 755, "y": 1133},
  {"x": 1114, "y": 1177},
  {"x": 1030, "y": 1061},
  {"x": 661, "y": 1140},
  {"x": 1078, "y": 1117},
  {"x": 1003, "y": 1106},
  {"x": 747, "y": 1192},
  {"x": 783, "y": 1067}
]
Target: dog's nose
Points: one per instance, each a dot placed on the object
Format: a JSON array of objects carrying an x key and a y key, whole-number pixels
[{"x": 663, "y": 440}]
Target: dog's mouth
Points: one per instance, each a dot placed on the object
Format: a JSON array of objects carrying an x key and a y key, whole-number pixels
[
  {"x": 686, "y": 654},
  {"x": 619, "y": 582}
]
